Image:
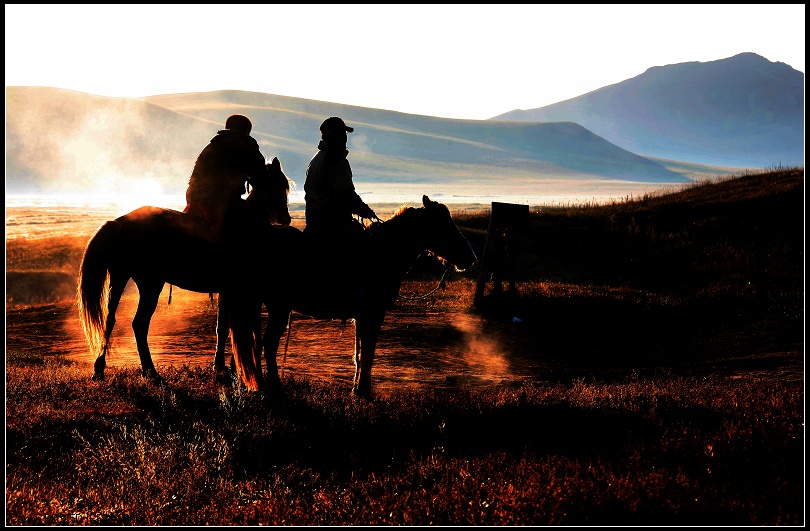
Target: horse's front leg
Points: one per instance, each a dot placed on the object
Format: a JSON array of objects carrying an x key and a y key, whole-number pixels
[
  {"x": 117, "y": 285},
  {"x": 149, "y": 296},
  {"x": 366, "y": 332},
  {"x": 276, "y": 326}
]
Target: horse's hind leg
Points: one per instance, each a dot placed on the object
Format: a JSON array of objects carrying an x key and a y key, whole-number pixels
[
  {"x": 222, "y": 333},
  {"x": 117, "y": 285},
  {"x": 245, "y": 326},
  {"x": 149, "y": 296}
]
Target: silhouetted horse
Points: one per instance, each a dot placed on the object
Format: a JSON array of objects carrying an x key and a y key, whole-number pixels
[
  {"x": 303, "y": 278},
  {"x": 153, "y": 246}
]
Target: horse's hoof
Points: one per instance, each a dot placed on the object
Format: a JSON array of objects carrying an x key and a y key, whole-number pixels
[
  {"x": 155, "y": 378},
  {"x": 360, "y": 393},
  {"x": 223, "y": 375},
  {"x": 272, "y": 391},
  {"x": 273, "y": 380}
]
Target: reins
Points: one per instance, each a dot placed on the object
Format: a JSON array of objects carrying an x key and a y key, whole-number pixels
[{"x": 441, "y": 286}]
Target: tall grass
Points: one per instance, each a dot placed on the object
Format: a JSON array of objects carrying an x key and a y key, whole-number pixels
[{"x": 663, "y": 451}]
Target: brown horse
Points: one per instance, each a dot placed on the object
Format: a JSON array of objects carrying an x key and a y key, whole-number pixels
[
  {"x": 154, "y": 246},
  {"x": 302, "y": 278}
]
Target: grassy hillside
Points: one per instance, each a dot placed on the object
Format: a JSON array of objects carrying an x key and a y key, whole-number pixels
[
  {"x": 741, "y": 235},
  {"x": 60, "y": 141},
  {"x": 558, "y": 148}
]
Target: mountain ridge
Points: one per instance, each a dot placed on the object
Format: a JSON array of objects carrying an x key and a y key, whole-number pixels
[
  {"x": 647, "y": 129},
  {"x": 743, "y": 110}
]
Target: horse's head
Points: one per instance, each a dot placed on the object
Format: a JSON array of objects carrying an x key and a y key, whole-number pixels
[
  {"x": 271, "y": 193},
  {"x": 444, "y": 238}
]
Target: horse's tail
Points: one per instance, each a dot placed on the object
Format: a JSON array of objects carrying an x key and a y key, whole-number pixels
[
  {"x": 244, "y": 324},
  {"x": 93, "y": 285}
]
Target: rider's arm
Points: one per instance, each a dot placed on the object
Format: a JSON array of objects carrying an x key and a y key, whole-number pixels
[
  {"x": 356, "y": 204},
  {"x": 344, "y": 191},
  {"x": 254, "y": 160}
]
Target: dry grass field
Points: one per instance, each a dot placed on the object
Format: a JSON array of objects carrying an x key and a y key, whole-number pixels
[{"x": 649, "y": 370}]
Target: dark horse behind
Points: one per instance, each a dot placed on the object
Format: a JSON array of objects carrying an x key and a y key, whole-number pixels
[
  {"x": 297, "y": 276},
  {"x": 154, "y": 246}
]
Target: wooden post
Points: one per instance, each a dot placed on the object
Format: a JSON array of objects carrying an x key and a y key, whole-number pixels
[{"x": 498, "y": 259}]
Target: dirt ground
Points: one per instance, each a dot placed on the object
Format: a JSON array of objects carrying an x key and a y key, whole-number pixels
[{"x": 441, "y": 342}]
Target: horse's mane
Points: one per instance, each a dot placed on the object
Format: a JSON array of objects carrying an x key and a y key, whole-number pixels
[
  {"x": 253, "y": 195},
  {"x": 406, "y": 208},
  {"x": 287, "y": 183},
  {"x": 287, "y": 180},
  {"x": 402, "y": 213},
  {"x": 402, "y": 208},
  {"x": 407, "y": 215}
]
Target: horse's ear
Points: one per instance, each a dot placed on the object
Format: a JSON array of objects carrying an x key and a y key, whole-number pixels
[
  {"x": 276, "y": 163},
  {"x": 426, "y": 201}
]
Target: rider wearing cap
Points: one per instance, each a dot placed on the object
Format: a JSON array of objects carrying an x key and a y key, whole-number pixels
[
  {"x": 330, "y": 196},
  {"x": 222, "y": 171},
  {"x": 331, "y": 202}
]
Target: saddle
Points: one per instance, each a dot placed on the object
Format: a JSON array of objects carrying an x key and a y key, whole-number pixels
[{"x": 347, "y": 254}]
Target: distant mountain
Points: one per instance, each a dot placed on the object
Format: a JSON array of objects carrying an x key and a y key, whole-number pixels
[
  {"x": 740, "y": 111},
  {"x": 65, "y": 141}
]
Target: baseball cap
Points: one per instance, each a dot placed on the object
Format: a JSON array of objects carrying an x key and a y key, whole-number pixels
[
  {"x": 335, "y": 125},
  {"x": 238, "y": 122}
]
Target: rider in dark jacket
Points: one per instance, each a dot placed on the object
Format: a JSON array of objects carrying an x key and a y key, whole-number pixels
[
  {"x": 221, "y": 173},
  {"x": 214, "y": 196},
  {"x": 330, "y": 197},
  {"x": 331, "y": 203}
]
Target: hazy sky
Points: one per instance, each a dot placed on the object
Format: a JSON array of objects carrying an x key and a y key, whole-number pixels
[{"x": 453, "y": 61}]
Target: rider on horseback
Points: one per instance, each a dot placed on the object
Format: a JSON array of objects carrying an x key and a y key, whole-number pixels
[
  {"x": 330, "y": 196},
  {"x": 331, "y": 202},
  {"x": 220, "y": 175},
  {"x": 214, "y": 196}
]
